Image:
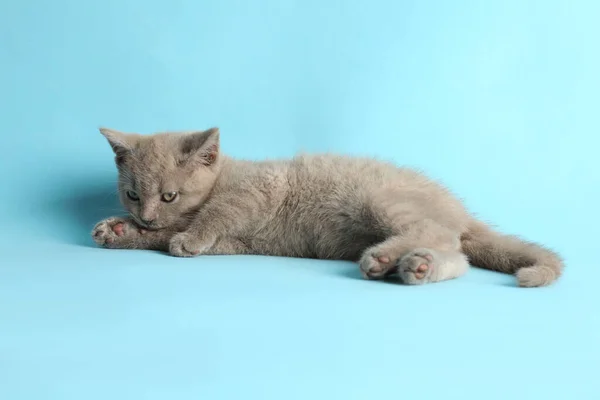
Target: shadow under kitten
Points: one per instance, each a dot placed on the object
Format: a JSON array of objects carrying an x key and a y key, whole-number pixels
[{"x": 73, "y": 214}]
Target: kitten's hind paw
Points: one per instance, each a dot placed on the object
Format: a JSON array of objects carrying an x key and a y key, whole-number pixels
[
  {"x": 427, "y": 265},
  {"x": 416, "y": 267},
  {"x": 115, "y": 232},
  {"x": 376, "y": 266}
]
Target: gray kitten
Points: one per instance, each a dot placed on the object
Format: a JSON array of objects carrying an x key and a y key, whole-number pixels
[{"x": 187, "y": 198}]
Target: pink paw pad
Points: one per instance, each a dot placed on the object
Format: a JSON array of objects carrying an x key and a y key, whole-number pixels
[
  {"x": 118, "y": 229},
  {"x": 376, "y": 266},
  {"x": 383, "y": 259},
  {"x": 421, "y": 270}
]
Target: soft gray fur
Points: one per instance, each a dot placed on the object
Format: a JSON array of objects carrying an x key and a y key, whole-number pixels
[{"x": 187, "y": 198}]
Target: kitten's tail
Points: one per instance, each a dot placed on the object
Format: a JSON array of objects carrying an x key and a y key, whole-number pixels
[{"x": 533, "y": 264}]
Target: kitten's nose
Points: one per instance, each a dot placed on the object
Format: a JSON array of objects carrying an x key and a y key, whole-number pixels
[{"x": 147, "y": 221}]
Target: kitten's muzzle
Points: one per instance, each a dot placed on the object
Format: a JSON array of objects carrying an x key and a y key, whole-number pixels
[{"x": 147, "y": 222}]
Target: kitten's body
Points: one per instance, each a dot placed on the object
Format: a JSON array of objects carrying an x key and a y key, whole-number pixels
[
  {"x": 393, "y": 221},
  {"x": 327, "y": 206}
]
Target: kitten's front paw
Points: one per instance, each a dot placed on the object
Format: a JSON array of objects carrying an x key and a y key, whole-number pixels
[
  {"x": 115, "y": 232},
  {"x": 186, "y": 244}
]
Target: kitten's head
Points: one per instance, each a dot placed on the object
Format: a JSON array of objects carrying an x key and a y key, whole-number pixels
[{"x": 166, "y": 176}]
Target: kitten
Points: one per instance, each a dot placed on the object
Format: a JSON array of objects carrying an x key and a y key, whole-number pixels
[{"x": 188, "y": 199}]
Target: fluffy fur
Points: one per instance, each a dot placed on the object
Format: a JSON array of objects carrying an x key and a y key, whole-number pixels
[{"x": 188, "y": 199}]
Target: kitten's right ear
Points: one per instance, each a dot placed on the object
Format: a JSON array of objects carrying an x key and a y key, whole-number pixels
[
  {"x": 121, "y": 143},
  {"x": 201, "y": 146}
]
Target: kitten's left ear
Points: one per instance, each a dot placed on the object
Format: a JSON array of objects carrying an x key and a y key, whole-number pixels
[
  {"x": 121, "y": 143},
  {"x": 202, "y": 146}
]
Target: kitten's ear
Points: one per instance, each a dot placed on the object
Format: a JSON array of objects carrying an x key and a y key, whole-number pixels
[
  {"x": 202, "y": 146},
  {"x": 121, "y": 143}
]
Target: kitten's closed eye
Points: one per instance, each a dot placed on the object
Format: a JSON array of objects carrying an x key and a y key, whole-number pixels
[
  {"x": 169, "y": 197},
  {"x": 132, "y": 195}
]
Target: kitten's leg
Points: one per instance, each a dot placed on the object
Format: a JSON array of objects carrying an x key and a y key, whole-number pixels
[
  {"x": 422, "y": 252},
  {"x": 228, "y": 245},
  {"x": 123, "y": 233},
  {"x": 220, "y": 220},
  {"x": 180, "y": 243}
]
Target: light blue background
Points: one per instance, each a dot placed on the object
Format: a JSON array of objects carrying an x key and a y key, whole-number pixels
[{"x": 499, "y": 99}]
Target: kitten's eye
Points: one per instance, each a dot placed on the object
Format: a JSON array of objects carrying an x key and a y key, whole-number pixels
[
  {"x": 169, "y": 197},
  {"x": 132, "y": 195}
]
